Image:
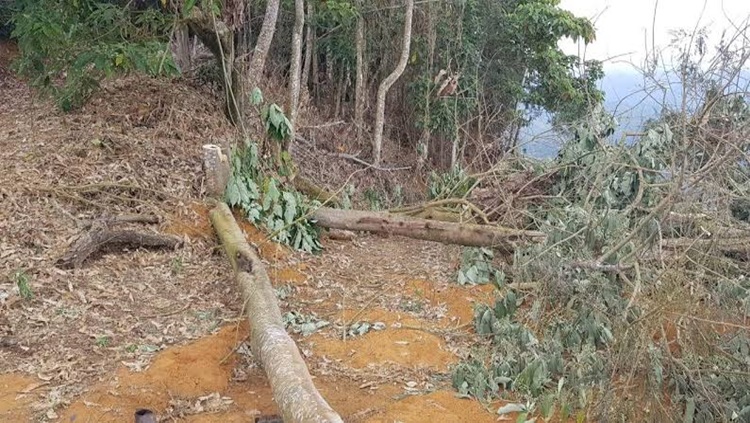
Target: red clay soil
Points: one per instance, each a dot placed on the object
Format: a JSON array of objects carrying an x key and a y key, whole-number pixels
[{"x": 206, "y": 366}]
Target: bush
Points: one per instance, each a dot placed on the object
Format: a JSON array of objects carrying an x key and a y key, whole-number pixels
[{"x": 68, "y": 47}]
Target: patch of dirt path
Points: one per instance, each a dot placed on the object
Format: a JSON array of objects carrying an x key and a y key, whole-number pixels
[{"x": 161, "y": 329}]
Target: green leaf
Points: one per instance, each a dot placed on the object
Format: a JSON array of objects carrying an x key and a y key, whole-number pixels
[
  {"x": 188, "y": 7},
  {"x": 256, "y": 97},
  {"x": 290, "y": 207},
  {"x": 511, "y": 408},
  {"x": 232, "y": 193},
  {"x": 689, "y": 411}
]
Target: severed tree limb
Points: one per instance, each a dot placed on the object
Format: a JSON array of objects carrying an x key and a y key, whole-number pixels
[
  {"x": 293, "y": 389},
  {"x": 100, "y": 238},
  {"x": 432, "y": 230}
]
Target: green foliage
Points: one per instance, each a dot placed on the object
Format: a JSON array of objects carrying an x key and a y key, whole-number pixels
[
  {"x": 346, "y": 196},
  {"x": 523, "y": 64},
  {"x": 397, "y": 197},
  {"x": 305, "y": 324},
  {"x": 361, "y": 328},
  {"x": 620, "y": 175},
  {"x": 277, "y": 124},
  {"x": 337, "y": 19},
  {"x": 266, "y": 203},
  {"x": 177, "y": 265},
  {"x": 102, "y": 341},
  {"x": 374, "y": 199},
  {"x": 22, "y": 281},
  {"x": 568, "y": 354},
  {"x": 476, "y": 268},
  {"x": 453, "y": 184},
  {"x": 590, "y": 316},
  {"x": 68, "y": 46}
]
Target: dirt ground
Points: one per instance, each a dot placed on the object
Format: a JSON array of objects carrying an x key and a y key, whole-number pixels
[{"x": 162, "y": 329}]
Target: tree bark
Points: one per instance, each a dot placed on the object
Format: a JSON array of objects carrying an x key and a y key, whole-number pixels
[
  {"x": 292, "y": 386},
  {"x": 291, "y": 383},
  {"x": 377, "y": 142},
  {"x": 180, "y": 45},
  {"x": 294, "y": 72},
  {"x": 217, "y": 170},
  {"x": 308, "y": 46},
  {"x": 258, "y": 61},
  {"x": 423, "y": 149},
  {"x": 469, "y": 235},
  {"x": 219, "y": 39},
  {"x": 101, "y": 238},
  {"x": 359, "y": 85}
]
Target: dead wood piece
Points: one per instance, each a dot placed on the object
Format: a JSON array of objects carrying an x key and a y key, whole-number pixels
[
  {"x": 127, "y": 218},
  {"x": 99, "y": 239},
  {"x": 293, "y": 389},
  {"x": 341, "y": 235},
  {"x": 467, "y": 234},
  {"x": 217, "y": 169}
]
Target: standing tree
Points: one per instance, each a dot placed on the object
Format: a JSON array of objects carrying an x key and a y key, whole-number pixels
[
  {"x": 377, "y": 141},
  {"x": 360, "y": 87},
  {"x": 258, "y": 61},
  {"x": 294, "y": 73}
]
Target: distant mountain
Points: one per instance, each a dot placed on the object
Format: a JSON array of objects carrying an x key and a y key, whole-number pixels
[{"x": 631, "y": 97}]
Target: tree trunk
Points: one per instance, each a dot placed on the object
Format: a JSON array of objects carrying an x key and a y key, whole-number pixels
[
  {"x": 359, "y": 85},
  {"x": 291, "y": 383},
  {"x": 309, "y": 47},
  {"x": 292, "y": 386},
  {"x": 377, "y": 142},
  {"x": 431, "y": 230},
  {"x": 258, "y": 61},
  {"x": 341, "y": 88},
  {"x": 423, "y": 148},
  {"x": 315, "y": 69},
  {"x": 180, "y": 44},
  {"x": 294, "y": 77},
  {"x": 329, "y": 64},
  {"x": 456, "y": 135},
  {"x": 220, "y": 41}
]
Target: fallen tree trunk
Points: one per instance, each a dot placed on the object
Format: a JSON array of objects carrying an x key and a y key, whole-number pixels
[
  {"x": 292, "y": 386},
  {"x": 287, "y": 372},
  {"x": 431, "y": 230}
]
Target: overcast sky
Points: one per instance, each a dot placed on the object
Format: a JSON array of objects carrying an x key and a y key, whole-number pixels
[{"x": 624, "y": 27}]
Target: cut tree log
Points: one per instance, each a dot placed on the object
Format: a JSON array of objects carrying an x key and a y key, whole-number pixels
[
  {"x": 293, "y": 389},
  {"x": 292, "y": 386},
  {"x": 470, "y": 235},
  {"x": 101, "y": 237}
]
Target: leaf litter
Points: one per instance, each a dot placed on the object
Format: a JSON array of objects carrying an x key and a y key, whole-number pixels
[{"x": 161, "y": 329}]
